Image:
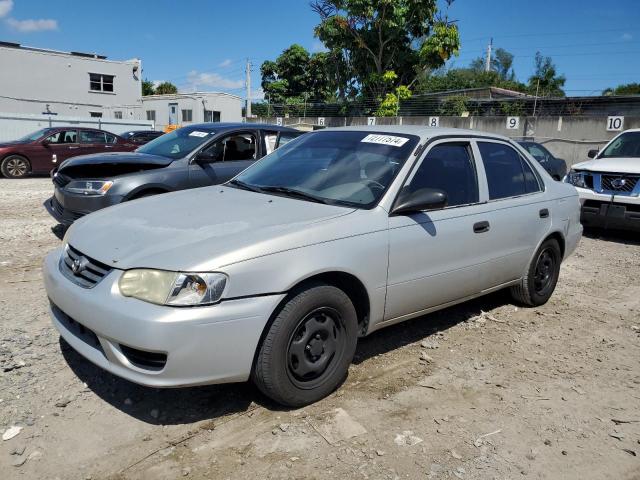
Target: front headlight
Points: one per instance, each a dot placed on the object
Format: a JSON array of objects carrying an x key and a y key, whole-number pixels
[
  {"x": 89, "y": 187},
  {"x": 173, "y": 288},
  {"x": 577, "y": 179}
]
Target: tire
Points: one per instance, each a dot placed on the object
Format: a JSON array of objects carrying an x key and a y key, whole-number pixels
[
  {"x": 538, "y": 285},
  {"x": 15, "y": 166},
  {"x": 307, "y": 349}
]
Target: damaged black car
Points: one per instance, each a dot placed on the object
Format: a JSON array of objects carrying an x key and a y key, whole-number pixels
[{"x": 191, "y": 157}]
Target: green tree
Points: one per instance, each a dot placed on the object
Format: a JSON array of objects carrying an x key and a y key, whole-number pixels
[
  {"x": 545, "y": 81},
  {"x": 626, "y": 89},
  {"x": 296, "y": 74},
  {"x": 147, "y": 88},
  {"x": 454, "y": 105},
  {"x": 463, "y": 78},
  {"x": 501, "y": 62},
  {"x": 166, "y": 88},
  {"x": 372, "y": 37}
]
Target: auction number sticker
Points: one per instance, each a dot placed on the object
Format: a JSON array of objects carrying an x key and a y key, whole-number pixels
[
  {"x": 196, "y": 133},
  {"x": 385, "y": 140}
]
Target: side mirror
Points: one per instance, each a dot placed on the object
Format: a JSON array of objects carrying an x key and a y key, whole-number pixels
[
  {"x": 45, "y": 142},
  {"x": 592, "y": 153},
  {"x": 207, "y": 157},
  {"x": 423, "y": 199}
]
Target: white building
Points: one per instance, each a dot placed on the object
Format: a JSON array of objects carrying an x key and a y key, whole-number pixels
[
  {"x": 37, "y": 81},
  {"x": 185, "y": 108}
]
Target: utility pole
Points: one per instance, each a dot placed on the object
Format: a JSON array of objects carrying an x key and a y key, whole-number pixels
[
  {"x": 248, "y": 83},
  {"x": 535, "y": 102},
  {"x": 487, "y": 67}
]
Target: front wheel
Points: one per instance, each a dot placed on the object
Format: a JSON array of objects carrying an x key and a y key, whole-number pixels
[
  {"x": 308, "y": 347},
  {"x": 542, "y": 276},
  {"x": 15, "y": 166}
]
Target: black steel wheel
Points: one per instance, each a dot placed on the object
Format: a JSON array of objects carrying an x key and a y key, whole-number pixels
[
  {"x": 542, "y": 275},
  {"x": 306, "y": 351},
  {"x": 15, "y": 166}
]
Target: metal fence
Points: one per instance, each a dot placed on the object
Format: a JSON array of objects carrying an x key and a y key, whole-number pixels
[{"x": 15, "y": 125}]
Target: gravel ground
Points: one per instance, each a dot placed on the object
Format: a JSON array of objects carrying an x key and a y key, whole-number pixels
[{"x": 550, "y": 392}]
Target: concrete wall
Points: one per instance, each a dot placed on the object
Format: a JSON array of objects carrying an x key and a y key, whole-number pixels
[
  {"x": 229, "y": 106},
  {"x": 15, "y": 125},
  {"x": 569, "y": 138},
  {"x": 31, "y": 79}
]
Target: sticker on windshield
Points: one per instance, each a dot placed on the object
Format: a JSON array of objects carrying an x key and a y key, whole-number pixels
[
  {"x": 385, "y": 140},
  {"x": 196, "y": 133}
]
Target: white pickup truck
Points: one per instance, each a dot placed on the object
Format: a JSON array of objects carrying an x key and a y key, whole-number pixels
[{"x": 609, "y": 185}]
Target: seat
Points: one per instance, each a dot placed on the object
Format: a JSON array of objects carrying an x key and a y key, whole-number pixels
[{"x": 379, "y": 171}]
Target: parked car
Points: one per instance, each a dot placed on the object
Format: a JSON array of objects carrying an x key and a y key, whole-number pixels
[
  {"x": 193, "y": 156},
  {"x": 556, "y": 167},
  {"x": 609, "y": 185},
  {"x": 141, "y": 137},
  {"x": 274, "y": 275},
  {"x": 40, "y": 151}
]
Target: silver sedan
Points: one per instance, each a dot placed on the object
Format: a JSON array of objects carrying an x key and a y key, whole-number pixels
[{"x": 274, "y": 275}]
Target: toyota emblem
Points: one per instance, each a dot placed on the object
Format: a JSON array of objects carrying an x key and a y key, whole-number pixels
[{"x": 78, "y": 265}]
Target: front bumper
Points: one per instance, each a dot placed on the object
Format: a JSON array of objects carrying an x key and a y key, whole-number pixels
[
  {"x": 190, "y": 346},
  {"x": 66, "y": 208},
  {"x": 618, "y": 212}
]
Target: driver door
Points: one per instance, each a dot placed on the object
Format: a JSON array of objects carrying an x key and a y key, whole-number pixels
[
  {"x": 222, "y": 160},
  {"x": 62, "y": 145}
]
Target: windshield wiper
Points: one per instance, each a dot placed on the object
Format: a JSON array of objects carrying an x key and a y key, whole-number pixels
[
  {"x": 244, "y": 186},
  {"x": 294, "y": 193}
]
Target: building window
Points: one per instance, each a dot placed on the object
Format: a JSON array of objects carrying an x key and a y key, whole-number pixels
[
  {"x": 151, "y": 115},
  {"x": 100, "y": 83},
  {"x": 95, "y": 114},
  {"x": 211, "y": 116},
  {"x": 117, "y": 115},
  {"x": 187, "y": 115}
]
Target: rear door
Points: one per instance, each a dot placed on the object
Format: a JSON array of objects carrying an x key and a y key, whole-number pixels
[
  {"x": 230, "y": 154},
  {"x": 92, "y": 141},
  {"x": 519, "y": 213}
]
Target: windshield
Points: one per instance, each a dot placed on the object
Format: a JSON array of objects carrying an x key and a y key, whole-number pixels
[
  {"x": 177, "y": 143},
  {"x": 34, "y": 136},
  {"x": 337, "y": 167},
  {"x": 626, "y": 145}
]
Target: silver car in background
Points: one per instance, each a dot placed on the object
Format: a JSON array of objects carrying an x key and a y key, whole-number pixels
[{"x": 274, "y": 275}]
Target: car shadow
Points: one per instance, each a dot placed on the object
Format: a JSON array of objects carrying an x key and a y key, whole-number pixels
[
  {"x": 59, "y": 230},
  {"x": 185, "y": 405},
  {"x": 609, "y": 235}
]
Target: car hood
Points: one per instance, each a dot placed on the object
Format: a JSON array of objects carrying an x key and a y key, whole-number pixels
[
  {"x": 201, "y": 229},
  {"x": 611, "y": 165},
  {"x": 111, "y": 164}
]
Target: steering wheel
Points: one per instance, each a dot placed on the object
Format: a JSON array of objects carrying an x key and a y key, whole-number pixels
[{"x": 373, "y": 183}]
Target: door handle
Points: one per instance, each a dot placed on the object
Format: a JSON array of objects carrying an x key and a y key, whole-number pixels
[
  {"x": 481, "y": 227},
  {"x": 544, "y": 213},
  {"x": 73, "y": 148}
]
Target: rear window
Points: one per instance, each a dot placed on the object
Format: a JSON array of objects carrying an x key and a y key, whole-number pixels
[{"x": 508, "y": 175}]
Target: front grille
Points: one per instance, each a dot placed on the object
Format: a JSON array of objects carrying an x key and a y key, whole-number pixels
[
  {"x": 88, "y": 272},
  {"x": 619, "y": 183},
  {"x": 143, "y": 359},
  {"x": 77, "y": 329},
  {"x": 60, "y": 210},
  {"x": 56, "y": 206}
]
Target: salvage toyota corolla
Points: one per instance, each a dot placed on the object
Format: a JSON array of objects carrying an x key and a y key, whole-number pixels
[{"x": 274, "y": 275}]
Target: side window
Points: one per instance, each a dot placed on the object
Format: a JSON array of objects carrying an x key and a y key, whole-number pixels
[
  {"x": 286, "y": 137},
  {"x": 448, "y": 167},
  {"x": 63, "y": 136},
  {"x": 89, "y": 136},
  {"x": 241, "y": 146},
  {"x": 110, "y": 138},
  {"x": 270, "y": 139},
  {"x": 506, "y": 171}
]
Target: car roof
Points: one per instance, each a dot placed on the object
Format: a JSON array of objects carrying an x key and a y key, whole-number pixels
[
  {"x": 421, "y": 130},
  {"x": 222, "y": 126}
]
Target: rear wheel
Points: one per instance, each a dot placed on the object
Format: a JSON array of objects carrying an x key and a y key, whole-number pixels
[
  {"x": 15, "y": 166},
  {"x": 542, "y": 276},
  {"x": 309, "y": 346}
]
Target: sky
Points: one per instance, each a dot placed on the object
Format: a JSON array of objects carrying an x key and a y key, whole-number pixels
[{"x": 204, "y": 44}]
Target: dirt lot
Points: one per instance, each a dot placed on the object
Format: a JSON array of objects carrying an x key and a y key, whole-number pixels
[{"x": 552, "y": 392}]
